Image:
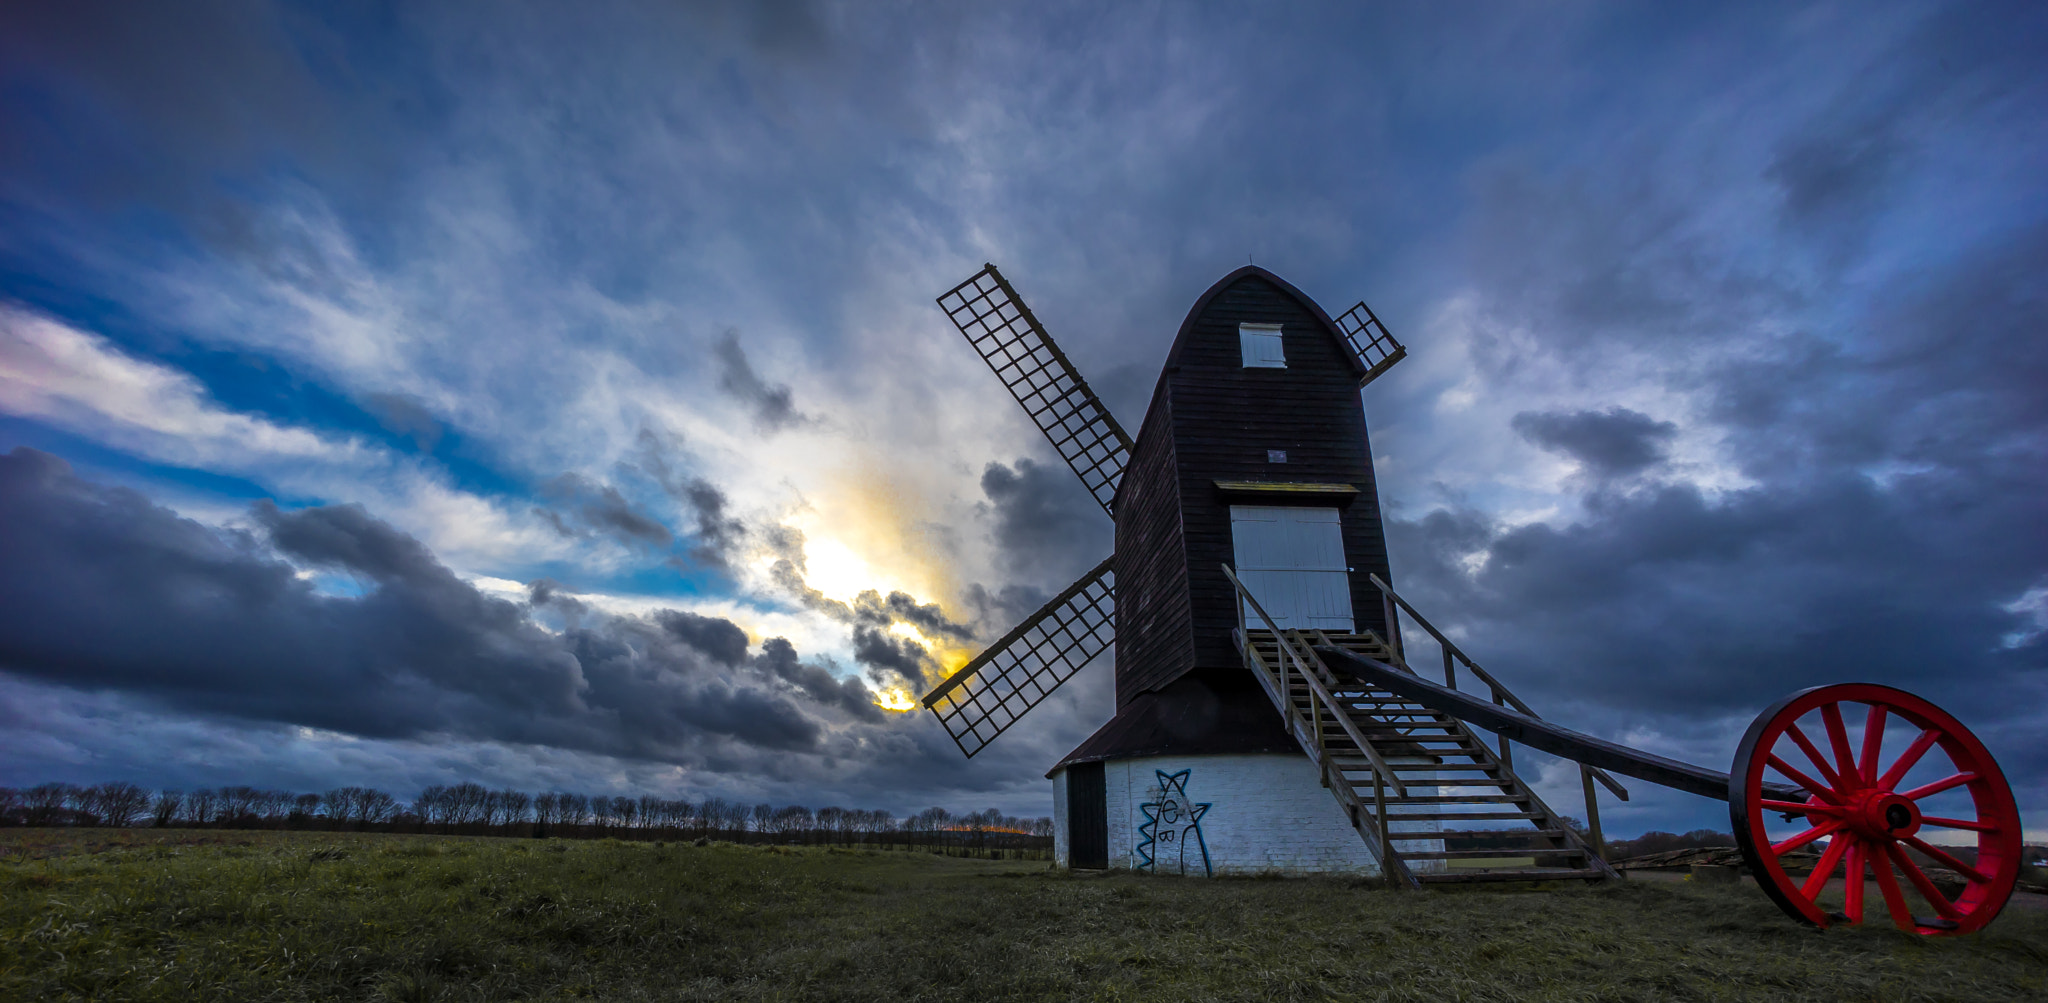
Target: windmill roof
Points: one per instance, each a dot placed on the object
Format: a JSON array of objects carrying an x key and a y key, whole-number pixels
[{"x": 1201, "y": 306}]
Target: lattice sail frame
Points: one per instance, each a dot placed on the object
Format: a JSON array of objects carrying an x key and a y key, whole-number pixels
[
  {"x": 1369, "y": 340},
  {"x": 1006, "y": 335},
  {"x": 990, "y": 693}
]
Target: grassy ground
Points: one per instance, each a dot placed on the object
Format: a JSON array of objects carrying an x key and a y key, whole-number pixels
[{"x": 288, "y": 916}]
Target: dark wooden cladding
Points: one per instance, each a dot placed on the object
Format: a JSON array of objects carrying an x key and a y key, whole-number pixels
[
  {"x": 1155, "y": 639},
  {"x": 1211, "y": 419}
]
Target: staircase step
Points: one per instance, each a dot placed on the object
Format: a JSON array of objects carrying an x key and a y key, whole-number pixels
[
  {"x": 1548, "y": 851},
  {"x": 1477, "y": 833},
  {"x": 1466, "y": 784},
  {"x": 1462, "y": 816},
  {"x": 1461, "y": 799}
]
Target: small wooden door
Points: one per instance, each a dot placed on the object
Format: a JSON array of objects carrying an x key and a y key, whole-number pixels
[
  {"x": 1292, "y": 560},
  {"x": 1087, "y": 816}
]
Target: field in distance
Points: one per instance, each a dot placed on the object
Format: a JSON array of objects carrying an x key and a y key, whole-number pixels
[{"x": 224, "y": 915}]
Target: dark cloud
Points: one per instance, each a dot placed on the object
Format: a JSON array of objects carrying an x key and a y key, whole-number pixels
[
  {"x": 560, "y": 525},
  {"x": 779, "y": 657},
  {"x": 898, "y": 657},
  {"x": 719, "y": 534},
  {"x": 1838, "y": 171},
  {"x": 405, "y": 416},
  {"x": 547, "y": 593},
  {"x": 871, "y": 607},
  {"x": 603, "y": 508},
  {"x": 773, "y": 406},
  {"x": 1047, "y": 525},
  {"x": 151, "y": 104},
  {"x": 1611, "y": 443},
  {"x": 349, "y": 538},
  {"x": 995, "y": 612},
  {"x": 107, "y": 591},
  {"x": 1893, "y": 522},
  {"x": 719, "y": 638}
]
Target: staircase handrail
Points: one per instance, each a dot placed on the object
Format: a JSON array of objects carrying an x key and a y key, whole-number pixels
[
  {"x": 1500, "y": 692},
  {"x": 1317, "y": 690}
]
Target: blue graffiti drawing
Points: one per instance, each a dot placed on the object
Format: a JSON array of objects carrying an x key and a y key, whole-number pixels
[{"x": 1170, "y": 823}]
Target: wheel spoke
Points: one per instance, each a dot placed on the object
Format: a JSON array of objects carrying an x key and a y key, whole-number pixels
[
  {"x": 1819, "y": 878},
  {"x": 1873, "y": 737},
  {"x": 1823, "y": 810},
  {"x": 1933, "y": 895},
  {"x": 1805, "y": 837},
  {"x": 1813, "y": 786},
  {"x": 1894, "y": 900},
  {"x": 1958, "y": 823},
  {"x": 1831, "y": 714},
  {"x": 1813, "y": 756},
  {"x": 1852, "y": 883},
  {"x": 1945, "y": 859},
  {"x": 1938, "y": 786},
  {"x": 1907, "y": 759}
]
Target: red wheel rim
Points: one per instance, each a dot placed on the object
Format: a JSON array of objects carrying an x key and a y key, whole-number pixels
[{"x": 1867, "y": 800}]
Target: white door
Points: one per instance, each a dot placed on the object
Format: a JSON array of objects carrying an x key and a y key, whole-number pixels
[{"x": 1292, "y": 560}]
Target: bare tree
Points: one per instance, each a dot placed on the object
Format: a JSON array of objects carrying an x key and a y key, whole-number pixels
[
  {"x": 431, "y": 805},
  {"x": 711, "y": 816},
  {"x": 118, "y": 803},
  {"x": 340, "y": 804},
  {"x": 203, "y": 805},
  {"x": 468, "y": 802},
  {"x": 237, "y": 804},
  {"x": 374, "y": 806},
  {"x": 165, "y": 809},
  {"x": 790, "y": 820},
  {"x": 275, "y": 806},
  {"x": 46, "y": 804},
  {"x": 512, "y": 805}
]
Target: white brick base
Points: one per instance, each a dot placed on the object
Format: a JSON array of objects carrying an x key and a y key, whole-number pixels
[{"x": 1267, "y": 814}]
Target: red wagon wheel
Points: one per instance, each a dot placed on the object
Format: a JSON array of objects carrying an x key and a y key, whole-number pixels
[{"x": 1855, "y": 803}]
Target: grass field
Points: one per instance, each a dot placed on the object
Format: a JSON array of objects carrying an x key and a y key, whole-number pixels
[{"x": 181, "y": 915}]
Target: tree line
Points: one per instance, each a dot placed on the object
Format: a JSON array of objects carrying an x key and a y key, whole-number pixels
[{"x": 474, "y": 809}]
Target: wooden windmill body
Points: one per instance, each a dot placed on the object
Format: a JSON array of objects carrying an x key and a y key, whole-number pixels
[{"x": 1246, "y": 515}]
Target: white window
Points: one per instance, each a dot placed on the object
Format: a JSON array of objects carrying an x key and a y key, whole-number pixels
[
  {"x": 1292, "y": 560},
  {"x": 1261, "y": 345}
]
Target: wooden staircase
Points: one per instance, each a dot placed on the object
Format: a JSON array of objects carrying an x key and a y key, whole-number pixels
[{"x": 1397, "y": 767}]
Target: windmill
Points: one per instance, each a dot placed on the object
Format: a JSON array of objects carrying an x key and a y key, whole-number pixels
[{"x": 1247, "y": 528}]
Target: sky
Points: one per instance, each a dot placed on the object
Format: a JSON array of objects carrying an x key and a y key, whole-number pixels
[{"x": 553, "y": 395}]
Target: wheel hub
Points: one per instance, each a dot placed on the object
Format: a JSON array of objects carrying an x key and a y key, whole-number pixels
[{"x": 1882, "y": 815}]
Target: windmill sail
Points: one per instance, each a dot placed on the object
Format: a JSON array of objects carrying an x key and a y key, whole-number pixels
[
  {"x": 1002, "y": 329},
  {"x": 991, "y": 692},
  {"x": 1377, "y": 350}
]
